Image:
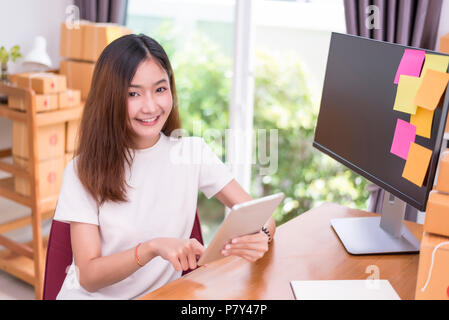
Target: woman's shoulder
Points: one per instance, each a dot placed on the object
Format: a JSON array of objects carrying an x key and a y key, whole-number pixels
[
  {"x": 70, "y": 170},
  {"x": 184, "y": 140}
]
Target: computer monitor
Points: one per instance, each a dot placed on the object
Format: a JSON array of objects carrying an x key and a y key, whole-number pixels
[{"x": 356, "y": 126}]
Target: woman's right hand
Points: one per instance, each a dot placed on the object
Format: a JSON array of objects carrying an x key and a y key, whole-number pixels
[{"x": 179, "y": 252}]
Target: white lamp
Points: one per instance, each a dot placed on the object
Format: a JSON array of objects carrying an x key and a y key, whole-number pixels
[{"x": 38, "y": 58}]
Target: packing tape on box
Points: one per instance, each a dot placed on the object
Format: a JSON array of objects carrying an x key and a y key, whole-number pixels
[
  {"x": 70, "y": 98},
  {"x": 68, "y": 39},
  {"x": 432, "y": 262},
  {"x": 69, "y": 74}
]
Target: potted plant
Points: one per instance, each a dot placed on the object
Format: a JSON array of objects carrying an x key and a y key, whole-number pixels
[{"x": 5, "y": 55}]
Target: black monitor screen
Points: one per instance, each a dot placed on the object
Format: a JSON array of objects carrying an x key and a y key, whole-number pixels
[{"x": 356, "y": 123}]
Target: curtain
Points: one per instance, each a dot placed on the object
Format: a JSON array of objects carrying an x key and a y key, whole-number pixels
[
  {"x": 103, "y": 10},
  {"x": 406, "y": 22}
]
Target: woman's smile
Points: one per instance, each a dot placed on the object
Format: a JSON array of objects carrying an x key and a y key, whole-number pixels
[{"x": 148, "y": 121}]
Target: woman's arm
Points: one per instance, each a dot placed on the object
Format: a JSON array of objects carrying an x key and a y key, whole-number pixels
[
  {"x": 246, "y": 246},
  {"x": 96, "y": 271}
]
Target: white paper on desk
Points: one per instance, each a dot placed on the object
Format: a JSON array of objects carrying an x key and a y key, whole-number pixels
[{"x": 344, "y": 290}]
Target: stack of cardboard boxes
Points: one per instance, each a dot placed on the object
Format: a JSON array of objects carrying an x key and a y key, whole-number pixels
[
  {"x": 81, "y": 46},
  {"x": 50, "y": 89},
  {"x": 433, "y": 272},
  {"x": 50, "y": 94}
]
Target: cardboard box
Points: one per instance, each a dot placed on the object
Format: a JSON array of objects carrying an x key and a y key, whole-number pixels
[
  {"x": 50, "y": 177},
  {"x": 437, "y": 214},
  {"x": 43, "y": 102},
  {"x": 69, "y": 99},
  {"x": 13, "y": 77},
  {"x": 79, "y": 75},
  {"x": 71, "y": 134},
  {"x": 443, "y": 173},
  {"x": 50, "y": 141},
  {"x": 433, "y": 283},
  {"x": 444, "y": 44},
  {"x": 97, "y": 36},
  {"x": 71, "y": 41},
  {"x": 43, "y": 82}
]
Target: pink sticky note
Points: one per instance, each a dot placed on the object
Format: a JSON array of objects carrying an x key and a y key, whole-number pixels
[
  {"x": 411, "y": 64},
  {"x": 404, "y": 135}
]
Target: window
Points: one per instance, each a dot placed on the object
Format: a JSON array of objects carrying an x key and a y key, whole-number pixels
[
  {"x": 198, "y": 38},
  {"x": 291, "y": 44},
  {"x": 291, "y": 40}
]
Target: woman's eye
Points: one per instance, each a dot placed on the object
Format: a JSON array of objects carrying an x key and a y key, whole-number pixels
[
  {"x": 133, "y": 94},
  {"x": 161, "y": 89}
]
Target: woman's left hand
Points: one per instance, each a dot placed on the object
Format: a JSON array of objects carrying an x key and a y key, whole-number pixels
[{"x": 250, "y": 247}]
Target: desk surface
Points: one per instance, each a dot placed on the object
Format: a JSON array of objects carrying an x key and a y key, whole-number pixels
[{"x": 305, "y": 248}]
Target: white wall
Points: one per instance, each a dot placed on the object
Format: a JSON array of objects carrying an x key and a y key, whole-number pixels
[{"x": 20, "y": 22}]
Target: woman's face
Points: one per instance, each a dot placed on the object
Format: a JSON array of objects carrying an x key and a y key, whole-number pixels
[{"x": 149, "y": 102}]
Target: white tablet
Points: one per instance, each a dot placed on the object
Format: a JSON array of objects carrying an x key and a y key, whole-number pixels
[{"x": 244, "y": 218}]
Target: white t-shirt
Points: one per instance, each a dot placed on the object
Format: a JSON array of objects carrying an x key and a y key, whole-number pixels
[{"x": 164, "y": 181}]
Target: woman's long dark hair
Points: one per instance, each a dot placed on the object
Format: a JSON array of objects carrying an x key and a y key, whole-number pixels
[{"x": 106, "y": 138}]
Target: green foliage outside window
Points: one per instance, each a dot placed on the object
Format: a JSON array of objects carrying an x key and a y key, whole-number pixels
[{"x": 282, "y": 101}]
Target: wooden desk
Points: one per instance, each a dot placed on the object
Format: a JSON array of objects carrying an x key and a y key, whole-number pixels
[{"x": 305, "y": 248}]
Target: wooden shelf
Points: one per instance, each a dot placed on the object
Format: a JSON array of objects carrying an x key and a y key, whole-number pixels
[
  {"x": 27, "y": 262},
  {"x": 7, "y": 190},
  {"x": 9, "y": 113},
  {"x": 20, "y": 266},
  {"x": 44, "y": 118}
]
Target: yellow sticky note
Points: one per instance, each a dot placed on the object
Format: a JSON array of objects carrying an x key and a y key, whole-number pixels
[
  {"x": 417, "y": 164},
  {"x": 433, "y": 85},
  {"x": 407, "y": 88},
  {"x": 423, "y": 120},
  {"x": 435, "y": 62}
]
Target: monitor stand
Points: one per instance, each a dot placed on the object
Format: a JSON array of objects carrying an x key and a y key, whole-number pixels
[{"x": 378, "y": 235}]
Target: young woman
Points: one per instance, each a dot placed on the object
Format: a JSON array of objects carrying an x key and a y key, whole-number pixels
[{"x": 130, "y": 193}]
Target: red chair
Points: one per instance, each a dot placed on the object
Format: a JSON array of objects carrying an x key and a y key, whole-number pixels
[{"x": 59, "y": 255}]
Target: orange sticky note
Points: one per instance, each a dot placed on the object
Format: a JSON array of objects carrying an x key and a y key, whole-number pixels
[
  {"x": 423, "y": 120},
  {"x": 432, "y": 87},
  {"x": 417, "y": 164}
]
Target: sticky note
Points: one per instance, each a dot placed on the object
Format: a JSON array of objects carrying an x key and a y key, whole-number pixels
[
  {"x": 423, "y": 120},
  {"x": 435, "y": 62},
  {"x": 407, "y": 89},
  {"x": 417, "y": 164},
  {"x": 404, "y": 135},
  {"x": 432, "y": 87},
  {"x": 411, "y": 64}
]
